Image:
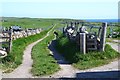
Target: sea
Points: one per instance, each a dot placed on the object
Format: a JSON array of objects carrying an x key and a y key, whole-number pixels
[{"x": 102, "y": 20}]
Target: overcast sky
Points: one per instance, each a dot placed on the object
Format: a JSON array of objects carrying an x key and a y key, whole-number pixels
[{"x": 76, "y": 9}]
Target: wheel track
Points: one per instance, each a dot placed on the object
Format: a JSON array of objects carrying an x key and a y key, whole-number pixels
[{"x": 24, "y": 70}]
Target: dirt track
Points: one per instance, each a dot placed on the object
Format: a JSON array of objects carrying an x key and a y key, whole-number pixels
[
  {"x": 67, "y": 71},
  {"x": 23, "y": 71}
]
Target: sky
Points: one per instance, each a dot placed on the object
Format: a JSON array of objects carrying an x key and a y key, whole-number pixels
[{"x": 73, "y": 9}]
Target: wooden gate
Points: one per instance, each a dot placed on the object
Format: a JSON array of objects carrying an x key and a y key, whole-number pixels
[
  {"x": 7, "y": 39},
  {"x": 91, "y": 41}
]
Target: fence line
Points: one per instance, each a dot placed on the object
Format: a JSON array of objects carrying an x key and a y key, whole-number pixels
[{"x": 9, "y": 35}]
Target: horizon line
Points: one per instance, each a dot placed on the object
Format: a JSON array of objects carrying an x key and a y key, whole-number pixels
[{"x": 56, "y": 17}]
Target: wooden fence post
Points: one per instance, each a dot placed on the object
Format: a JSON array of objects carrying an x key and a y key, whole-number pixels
[
  {"x": 83, "y": 43},
  {"x": 103, "y": 36},
  {"x": 99, "y": 32},
  {"x": 10, "y": 39}
]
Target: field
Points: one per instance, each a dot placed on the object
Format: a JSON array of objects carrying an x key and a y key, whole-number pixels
[
  {"x": 29, "y": 22},
  {"x": 45, "y": 23},
  {"x": 14, "y": 59}
]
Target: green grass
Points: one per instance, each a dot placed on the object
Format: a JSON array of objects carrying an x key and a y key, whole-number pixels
[
  {"x": 29, "y": 22},
  {"x": 43, "y": 61},
  {"x": 14, "y": 58},
  {"x": 92, "y": 59}
]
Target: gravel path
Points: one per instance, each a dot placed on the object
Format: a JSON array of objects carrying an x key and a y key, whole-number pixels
[
  {"x": 118, "y": 41},
  {"x": 23, "y": 71},
  {"x": 115, "y": 46}
]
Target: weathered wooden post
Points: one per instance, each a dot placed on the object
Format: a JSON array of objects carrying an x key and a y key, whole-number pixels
[
  {"x": 83, "y": 43},
  {"x": 27, "y": 32},
  {"x": 103, "y": 36},
  {"x": 99, "y": 32},
  {"x": 10, "y": 40}
]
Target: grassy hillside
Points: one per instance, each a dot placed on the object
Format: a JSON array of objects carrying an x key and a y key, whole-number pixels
[{"x": 29, "y": 22}]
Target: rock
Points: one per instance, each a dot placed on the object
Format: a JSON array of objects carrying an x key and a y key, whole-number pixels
[{"x": 3, "y": 53}]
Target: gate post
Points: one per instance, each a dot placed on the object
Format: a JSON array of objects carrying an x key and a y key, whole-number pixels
[
  {"x": 103, "y": 36},
  {"x": 83, "y": 43},
  {"x": 10, "y": 39}
]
